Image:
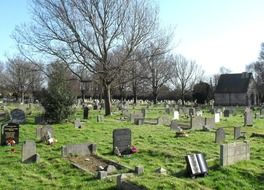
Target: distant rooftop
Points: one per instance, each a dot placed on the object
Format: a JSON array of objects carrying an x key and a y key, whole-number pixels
[{"x": 233, "y": 83}]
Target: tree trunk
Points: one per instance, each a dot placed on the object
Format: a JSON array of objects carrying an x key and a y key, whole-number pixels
[
  {"x": 155, "y": 95},
  {"x": 182, "y": 97},
  {"x": 107, "y": 99},
  {"x": 134, "y": 93}
]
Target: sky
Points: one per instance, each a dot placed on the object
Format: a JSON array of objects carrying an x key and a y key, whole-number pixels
[{"x": 214, "y": 33}]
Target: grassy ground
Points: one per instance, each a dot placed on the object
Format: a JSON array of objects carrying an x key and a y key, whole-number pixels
[{"x": 157, "y": 148}]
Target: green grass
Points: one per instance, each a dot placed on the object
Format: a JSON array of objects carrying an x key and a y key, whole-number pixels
[{"x": 157, "y": 148}]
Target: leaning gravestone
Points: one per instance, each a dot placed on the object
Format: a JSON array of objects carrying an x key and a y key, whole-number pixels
[
  {"x": 29, "y": 152},
  {"x": 219, "y": 136},
  {"x": 196, "y": 165},
  {"x": 18, "y": 116},
  {"x": 238, "y": 134},
  {"x": 9, "y": 132},
  {"x": 122, "y": 140},
  {"x": 43, "y": 132}
]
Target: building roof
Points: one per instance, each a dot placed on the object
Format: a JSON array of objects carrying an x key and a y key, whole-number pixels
[{"x": 233, "y": 83}]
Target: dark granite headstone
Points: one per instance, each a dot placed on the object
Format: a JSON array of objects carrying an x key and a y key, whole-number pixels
[
  {"x": 226, "y": 113},
  {"x": 122, "y": 140},
  {"x": 18, "y": 116},
  {"x": 219, "y": 136},
  {"x": 196, "y": 165},
  {"x": 85, "y": 112},
  {"x": 9, "y": 132}
]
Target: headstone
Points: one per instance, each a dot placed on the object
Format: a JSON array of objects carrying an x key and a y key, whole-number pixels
[
  {"x": 122, "y": 140},
  {"x": 110, "y": 169},
  {"x": 210, "y": 122},
  {"x": 238, "y": 134},
  {"x": 199, "y": 113},
  {"x": 164, "y": 120},
  {"x": 77, "y": 123},
  {"x": 161, "y": 170},
  {"x": 139, "y": 121},
  {"x": 174, "y": 125},
  {"x": 40, "y": 120},
  {"x": 226, "y": 113},
  {"x": 78, "y": 149},
  {"x": 197, "y": 123},
  {"x": 234, "y": 152},
  {"x": 143, "y": 111},
  {"x": 176, "y": 115},
  {"x": 139, "y": 170},
  {"x": 248, "y": 118},
  {"x": 196, "y": 165},
  {"x": 29, "y": 152},
  {"x": 101, "y": 175},
  {"x": 9, "y": 132},
  {"x": 99, "y": 118},
  {"x": 219, "y": 136},
  {"x": 135, "y": 115},
  {"x": 85, "y": 112},
  {"x": 18, "y": 116},
  {"x": 191, "y": 111},
  {"x": 217, "y": 117},
  {"x": 44, "y": 132}
]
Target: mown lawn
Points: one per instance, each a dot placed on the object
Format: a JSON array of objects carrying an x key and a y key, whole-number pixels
[{"x": 157, "y": 148}]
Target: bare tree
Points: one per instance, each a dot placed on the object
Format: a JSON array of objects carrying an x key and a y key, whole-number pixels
[
  {"x": 89, "y": 33},
  {"x": 185, "y": 74},
  {"x": 22, "y": 77}
]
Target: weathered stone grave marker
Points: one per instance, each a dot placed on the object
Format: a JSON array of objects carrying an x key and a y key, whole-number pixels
[
  {"x": 217, "y": 117},
  {"x": 122, "y": 140},
  {"x": 210, "y": 122},
  {"x": 197, "y": 123},
  {"x": 191, "y": 111},
  {"x": 40, "y": 120},
  {"x": 176, "y": 115},
  {"x": 219, "y": 135},
  {"x": 77, "y": 123},
  {"x": 29, "y": 152},
  {"x": 18, "y": 116},
  {"x": 43, "y": 132},
  {"x": 234, "y": 152},
  {"x": 9, "y": 133},
  {"x": 248, "y": 117},
  {"x": 143, "y": 111},
  {"x": 78, "y": 149},
  {"x": 238, "y": 134}
]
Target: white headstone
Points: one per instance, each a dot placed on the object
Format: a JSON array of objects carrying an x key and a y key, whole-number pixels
[
  {"x": 176, "y": 115},
  {"x": 217, "y": 117}
]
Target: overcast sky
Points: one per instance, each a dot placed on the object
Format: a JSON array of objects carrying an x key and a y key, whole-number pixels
[{"x": 214, "y": 33}]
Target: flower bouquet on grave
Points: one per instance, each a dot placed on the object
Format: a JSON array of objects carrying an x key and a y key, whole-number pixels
[
  {"x": 133, "y": 149},
  {"x": 11, "y": 142}
]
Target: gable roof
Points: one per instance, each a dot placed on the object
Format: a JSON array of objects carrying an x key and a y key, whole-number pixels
[{"x": 233, "y": 83}]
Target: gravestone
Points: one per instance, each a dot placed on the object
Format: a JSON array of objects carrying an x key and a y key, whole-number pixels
[
  {"x": 77, "y": 123},
  {"x": 164, "y": 120},
  {"x": 220, "y": 136},
  {"x": 234, "y": 152},
  {"x": 85, "y": 112},
  {"x": 29, "y": 152},
  {"x": 18, "y": 116},
  {"x": 43, "y": 132},
  {"x": 9, "y": 132},
  {"x": 176, "y": 115},
  {"x": 210, "y": 122},
  {"x": 139, "y": 121},
  {"x": 197, "y": 123},
  {"x": 135, "y": 115},
  {"x": 40, "y": 120},
  {"x": 238, "y": 134},
  {"x": 99, "y": 118},
  {"x": 191, "y": 111},
  {"x": 78, "y": 149},
  {"x": 143, "y": 111},
  {"x": 226, "y": 113},
  {"x": 199, "y": 113},
  {"x": 196, "y": 165},
  {"x": 248, "y": 118},
  {"x": 217, "y": 117},
  {"x": 122, "y": 140}
]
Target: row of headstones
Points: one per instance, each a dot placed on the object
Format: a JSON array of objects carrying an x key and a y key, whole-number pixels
[{"x": 220, "y": 134}]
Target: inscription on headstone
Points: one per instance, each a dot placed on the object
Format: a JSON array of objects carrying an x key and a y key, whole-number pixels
[
  {"x": 10, "y": 132},
  {"x": 122, "y": 140}
]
